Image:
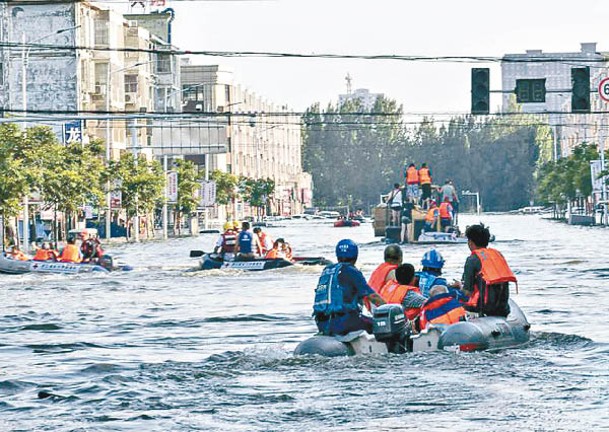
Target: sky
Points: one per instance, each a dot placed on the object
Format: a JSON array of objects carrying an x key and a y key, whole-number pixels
[{"x": 401, "y": 27}]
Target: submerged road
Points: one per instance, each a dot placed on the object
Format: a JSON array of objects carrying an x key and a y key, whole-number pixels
[{"x": 163, "y": 348}]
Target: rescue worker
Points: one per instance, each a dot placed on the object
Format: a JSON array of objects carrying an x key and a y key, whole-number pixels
[
  {"x": 402, "y": 291},
  {"x": 286, "y": 251},
  {"x": 340, "y": 293},
  {"x": 446, "y": 214},
  {"x": 386, "y": 270},
  {"x": 246, "y": 243},
  {"x": 16, "y": 254},
  {"x": 486, "y": 275},
  {"x": 432, "y": 217},
  {"x": 432, "y": 263},
  {"x": 441, "y": 308},
  {"x": 412, "y": 183},
  {"x": 91, "y": 248},
  {"x": 425, "y": 182},
  {"x": 45, "y": 253},
  {"x": 394, "y": 201},
  {"x": 263, "y": 245},
  {"x": 71, "y": 252},
  {"x": 276, "y": 251},
  {"x": 227, "y": 242}
]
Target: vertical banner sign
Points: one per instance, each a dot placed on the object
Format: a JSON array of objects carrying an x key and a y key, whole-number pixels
[
  {"x": 72, "y": 132},
  {"x": 172, "y": 186},
  {"x": 595, "y": 170},
  {"x": 208, "y": 193},
  {"x": 116, "y": 199}
]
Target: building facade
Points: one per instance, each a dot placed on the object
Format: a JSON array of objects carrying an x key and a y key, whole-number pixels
[
  {"x": 366, "y": 99},
  {"x": 264, "y": 140},
  {"x": 569, "y": 129}
]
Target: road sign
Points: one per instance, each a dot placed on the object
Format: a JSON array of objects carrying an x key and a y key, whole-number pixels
[
  {"x": 603, "y": 89},
  {"x": 116, "y": 199},
  {"x": 72, "y": 132}
]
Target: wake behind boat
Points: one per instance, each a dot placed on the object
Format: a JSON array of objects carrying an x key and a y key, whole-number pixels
[{"x": 390, "y": 335}]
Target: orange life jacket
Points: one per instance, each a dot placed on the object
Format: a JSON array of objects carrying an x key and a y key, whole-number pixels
[
  {"x": 394, "y": 292},
  {"x": 272, "y": 254},
  {"x": 424, "y": 176},
  {"x": 494, "y": 270},
  {"x": 70, "y": 253},
  {"x": 260, "y": 248},
  {"x": 441, "y": 309},
  {"x": 412, "y": 176},
  {"x": 445, "y": 209},
  {"x": 19, "y": 256},
  {"x": 45, "y": 255},
  {"x": 378, "y": 278},
  {"x": 432, "y": 213}
]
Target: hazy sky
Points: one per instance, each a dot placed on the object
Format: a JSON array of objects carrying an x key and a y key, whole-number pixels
[{"x": 426, "y": 28}]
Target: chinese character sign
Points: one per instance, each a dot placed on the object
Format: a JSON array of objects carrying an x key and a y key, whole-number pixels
[
  {"x": 208, "y": 193},
  {"x": 172, "y": 186},
  {"x": 72, "y": 132},
  {"x": 116, "y": 198}
]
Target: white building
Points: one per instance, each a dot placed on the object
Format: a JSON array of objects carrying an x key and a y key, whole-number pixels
[
  {"x": 569, "y": 129},
  {"x": 365, "y": 98}
]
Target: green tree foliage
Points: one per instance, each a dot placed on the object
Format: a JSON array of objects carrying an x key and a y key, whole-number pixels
[
  {"x": 141, "y": 182},
  {"x": 256, "y": 192},
  {"x": 560, "y": 181},
  {"x": 188, "y": 186},
  {"x": 351, "y": 151},
  {"x": 226, "y": 185},
  {"x": 14, "y": 176}
]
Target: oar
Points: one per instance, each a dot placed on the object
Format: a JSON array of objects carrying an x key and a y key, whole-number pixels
[{"x": 197, "y": 253}]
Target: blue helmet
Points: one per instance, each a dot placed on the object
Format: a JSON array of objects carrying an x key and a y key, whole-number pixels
[
  {"x": 433, "y": 259},
  {"x": 346, "y": 248}
]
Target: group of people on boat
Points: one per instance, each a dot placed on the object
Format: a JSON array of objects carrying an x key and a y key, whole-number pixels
[
  {"x": 89, "y": 251},
  {"x": 237, "y": 242},
  {"x": 426, "y": 296}
]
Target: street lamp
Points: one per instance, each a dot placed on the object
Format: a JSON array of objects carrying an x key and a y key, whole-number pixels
[
  {"x": 25, "y": 53},
  {"x": 108, "y": 136}
]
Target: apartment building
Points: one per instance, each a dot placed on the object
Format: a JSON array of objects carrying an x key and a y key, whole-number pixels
[
  {"x": 263, "y": 139},
  {"x": 569, "y": 129}
]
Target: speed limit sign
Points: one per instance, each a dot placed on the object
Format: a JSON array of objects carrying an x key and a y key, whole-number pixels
[{"x": 603, "y": 89}]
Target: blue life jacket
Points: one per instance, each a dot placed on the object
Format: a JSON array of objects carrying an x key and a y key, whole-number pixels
[
  {"x": 330, "y": 295},
  {"x": 427, "y": 280},
  {"x": 245, "y": 242}
]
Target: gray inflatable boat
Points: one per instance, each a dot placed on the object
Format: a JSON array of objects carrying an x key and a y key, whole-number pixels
[{"x": 391, "y": 335}]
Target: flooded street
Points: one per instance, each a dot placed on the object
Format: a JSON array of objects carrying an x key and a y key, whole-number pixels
[{"x": 167, "y": 348}]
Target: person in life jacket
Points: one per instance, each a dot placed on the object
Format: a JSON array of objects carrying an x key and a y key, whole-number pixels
[
  {"x": 16, "y": 254},
  {"x": 263, "y": 245},
  {"x": 486, "y": 275},
  {"x": 446, "y": 214},
  {"x": 246, "y": 243},
  {"x": 441, "y": 308},
  {"x": 340, "y": 293},
  {"x": 412, "y": 183},
  {"x": 402, "y": 291},
  {"x": 431, "y": 274},
  {"x": 227, "y": 242},
  {"x": 45, "y": 253},
  {"x": 280, "y": 250},
  {"x": 91, "y": 248},
  {"x": 386, "y": 270},
  {"x": 71, "y": 252},
  {"x": 432, "y": 217},
  {"x": 425, "y": 182}
]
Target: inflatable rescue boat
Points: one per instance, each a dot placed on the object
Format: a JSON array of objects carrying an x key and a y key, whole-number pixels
[
  {"x": 215, "y": 261},
  {"x": 391, "y": 335}
]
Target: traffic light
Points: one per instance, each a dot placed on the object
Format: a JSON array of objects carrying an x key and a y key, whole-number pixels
[
  {"x": 580, "y": 90},
  {"x": 480, "y": 90},
  {"x": 531, "y": 90}
]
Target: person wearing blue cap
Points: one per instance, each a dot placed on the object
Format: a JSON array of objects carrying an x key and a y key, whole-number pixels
[{"x": 340, "y": 294}]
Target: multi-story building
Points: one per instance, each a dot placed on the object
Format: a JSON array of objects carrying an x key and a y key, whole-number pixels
[
  {"x": 263, "y": 140},
  {"x": 84, "y": 81},
  {"x": 569, "y": 129},
  {"x": 366, "y": 99}
]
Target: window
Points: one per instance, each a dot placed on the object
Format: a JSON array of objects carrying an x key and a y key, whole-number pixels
[
  {"x": 101, "y": 33},
  {"x": 163, "y": 63},
  {"x": 130, "y": 83}
]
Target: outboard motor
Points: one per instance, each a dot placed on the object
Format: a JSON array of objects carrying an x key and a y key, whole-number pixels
[{"x": 389, "y": 326}]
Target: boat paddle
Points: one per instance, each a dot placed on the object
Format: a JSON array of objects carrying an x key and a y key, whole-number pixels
[{"x": 197, "y": 253}]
